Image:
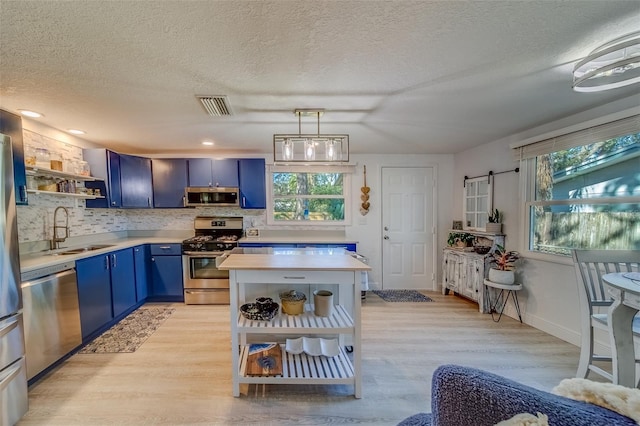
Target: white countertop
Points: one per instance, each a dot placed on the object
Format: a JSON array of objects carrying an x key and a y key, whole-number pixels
[
  {"x": 38, "y": 260},
  {"x": 302, "y": 261}
]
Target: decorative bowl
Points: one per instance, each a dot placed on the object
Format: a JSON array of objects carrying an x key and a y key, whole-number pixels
[
  {"x": 292, "y": 302},
  {"x": 482, "y": 249},
  {"x": 264, "y": 309}
]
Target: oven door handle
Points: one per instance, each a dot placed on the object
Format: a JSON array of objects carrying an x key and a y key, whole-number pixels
[{"x": 203, "y": 253}]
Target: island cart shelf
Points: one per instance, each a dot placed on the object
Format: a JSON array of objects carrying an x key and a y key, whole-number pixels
[{"x": 262, "y": 271}]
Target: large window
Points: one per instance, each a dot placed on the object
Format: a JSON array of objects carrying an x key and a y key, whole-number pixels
[
  {"x": 308, "y": 197},
  {"x": 586, "y": 196}
]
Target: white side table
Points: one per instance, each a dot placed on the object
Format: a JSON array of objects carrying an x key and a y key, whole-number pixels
[{"x": 511, "y": 290}]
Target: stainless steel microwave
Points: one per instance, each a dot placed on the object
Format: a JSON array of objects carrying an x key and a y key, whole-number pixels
[{"x": 211, "y": 196}]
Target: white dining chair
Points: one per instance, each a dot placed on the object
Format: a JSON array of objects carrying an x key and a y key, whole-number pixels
[{"x": 590, "y": 266}]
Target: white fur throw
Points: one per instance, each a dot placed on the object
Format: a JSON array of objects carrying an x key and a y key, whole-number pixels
[
  {"x": 526, "y": 419},
  {"x": 620, "y": 399}
]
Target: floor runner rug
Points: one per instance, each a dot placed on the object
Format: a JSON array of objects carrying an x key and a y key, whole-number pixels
[
  {"x": 131, "y": 332},
  {"x": 402, "y": 296}
]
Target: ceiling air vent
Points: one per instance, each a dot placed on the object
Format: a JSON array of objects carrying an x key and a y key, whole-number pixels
[{"x": 215, "y": 105}]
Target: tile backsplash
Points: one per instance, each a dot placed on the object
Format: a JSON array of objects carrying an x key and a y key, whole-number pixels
[{"x": 35, "y": 221}]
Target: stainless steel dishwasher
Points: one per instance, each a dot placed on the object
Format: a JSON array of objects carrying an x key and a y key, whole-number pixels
[{"x": 51, "y": 315}]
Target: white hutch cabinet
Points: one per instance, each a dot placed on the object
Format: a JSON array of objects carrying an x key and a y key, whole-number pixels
[{"x": 463, "y": 272}]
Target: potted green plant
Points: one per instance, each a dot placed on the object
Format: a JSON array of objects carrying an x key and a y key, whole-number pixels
[
  {"x": 460, "y": 239},
  {"x": 503, "y": 265},
  {"x": 494, "y": 225}
]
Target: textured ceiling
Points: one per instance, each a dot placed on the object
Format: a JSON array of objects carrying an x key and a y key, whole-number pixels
[{"x": 397, "y": 76}]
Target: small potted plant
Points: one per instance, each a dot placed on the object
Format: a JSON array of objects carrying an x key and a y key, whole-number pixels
[
  {"x": 503, "y": 265},
  {"x": 494, "y": 225},
  {"x": 460, "y": 239}
]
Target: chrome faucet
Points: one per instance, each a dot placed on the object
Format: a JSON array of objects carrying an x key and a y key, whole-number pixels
[{"x": 55, "y": 241}]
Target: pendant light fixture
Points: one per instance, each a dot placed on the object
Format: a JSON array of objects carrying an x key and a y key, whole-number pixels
[
  {"x": 309, "y": 148},
  {"x": 615, "y": 64}
]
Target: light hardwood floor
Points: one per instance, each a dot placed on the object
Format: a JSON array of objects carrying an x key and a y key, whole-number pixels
[{"x": 182, "y": 373}]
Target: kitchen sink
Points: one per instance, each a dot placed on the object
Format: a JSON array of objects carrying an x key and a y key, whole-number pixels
[{"x": 81, "y": 250}]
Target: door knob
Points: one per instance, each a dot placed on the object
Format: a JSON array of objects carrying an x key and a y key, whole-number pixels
[{"x": 386, "y": 237}]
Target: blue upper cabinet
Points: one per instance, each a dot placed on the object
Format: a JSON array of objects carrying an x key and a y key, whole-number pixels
[
  {"x": 105, "y": 165},
  {"x": 136, "y": 182},
  {"x": 11, "y": 125},
  {"x": 208, "y": 172},
  {"x": 169, "y": 180},
  {"x": 225, "y": 172},
  {"x": 251, "y": 172},
  {"x": 128, "y": 179}
]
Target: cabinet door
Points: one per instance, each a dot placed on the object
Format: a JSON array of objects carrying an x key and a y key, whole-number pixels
[
  {"x": 251, "y": 176},
  {"x": 11, "y": 125},
  {"x": 166, "y": 276},
  {"x": 123, "y": 285},
  {"x": 225, "y": 172},
  {"x": 135, "y": 182},
  {"x": 141, "y": 263},
  {"x": 169, "y": 180},
  {"x": 94, "y": 293},
  {"x": 105, "y": 165},
  {"x": 200, "y": 172}
]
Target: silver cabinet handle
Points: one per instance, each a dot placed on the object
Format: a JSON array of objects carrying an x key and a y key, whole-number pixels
[
  {"x": 11, "y": 374},
  {"x": 294, "y": 278},
  {"x": 10, "y": 326},
  {"x": 107, "y": 264},
  {"x": 165, "y": 247},
  {"x": 113, "y": 203},
  {"x": 113, "y": 260}
]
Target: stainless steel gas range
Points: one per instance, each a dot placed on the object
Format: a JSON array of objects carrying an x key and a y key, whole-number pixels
[{"x": 204, "y": 283}]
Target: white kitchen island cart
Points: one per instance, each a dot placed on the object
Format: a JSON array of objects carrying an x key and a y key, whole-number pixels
[{"x": 267, "y": 274}]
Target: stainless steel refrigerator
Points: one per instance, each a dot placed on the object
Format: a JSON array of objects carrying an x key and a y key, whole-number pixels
[{"x": 13, "y": 368}]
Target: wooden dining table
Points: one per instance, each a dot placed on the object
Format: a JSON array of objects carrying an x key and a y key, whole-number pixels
[{"x": 624, "y": 289}]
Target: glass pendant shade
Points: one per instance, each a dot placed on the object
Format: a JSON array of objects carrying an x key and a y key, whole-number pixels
[{"x": 287, "y": 149}]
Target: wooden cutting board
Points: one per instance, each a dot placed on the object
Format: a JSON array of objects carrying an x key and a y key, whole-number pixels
[{"x": 264, "y": 359}]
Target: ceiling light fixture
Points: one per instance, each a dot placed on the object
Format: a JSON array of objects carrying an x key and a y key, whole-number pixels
[
  {"x": 31, "y": 114},
  {"x": 610, "y": 66},
  {"x": 207, "y": 143},
  {"x": 76, "y": 131},
  {"x": 308, "y": 148}
]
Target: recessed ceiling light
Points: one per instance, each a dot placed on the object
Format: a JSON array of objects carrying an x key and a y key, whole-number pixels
[
  {"x": 207, "y": 143},
  {"x": 31, "y": 114},
  {"x": 76, "y": 131}
]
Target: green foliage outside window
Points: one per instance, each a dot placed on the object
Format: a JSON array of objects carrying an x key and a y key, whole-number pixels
[{"x": 308, "y": 196}]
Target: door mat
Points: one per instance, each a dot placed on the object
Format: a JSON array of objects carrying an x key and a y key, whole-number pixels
[
  {"x": 130, "y": 333},
  {"x": 402, "y": 296}
]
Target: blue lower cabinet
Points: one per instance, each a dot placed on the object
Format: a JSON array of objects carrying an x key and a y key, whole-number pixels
[
  {"x": 94, "y": 293},
  {"x": 166, "y": 273},
  {"x": 106, "y": 289},
  {"x": 142, "y": 264},
  {"x": 123, "y": 285}
]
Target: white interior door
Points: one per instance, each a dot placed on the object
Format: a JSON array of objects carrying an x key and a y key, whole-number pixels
[{"x": 407, "y": 228}]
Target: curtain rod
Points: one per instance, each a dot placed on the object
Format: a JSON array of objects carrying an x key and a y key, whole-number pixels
[{"x": 491, "y": 173}]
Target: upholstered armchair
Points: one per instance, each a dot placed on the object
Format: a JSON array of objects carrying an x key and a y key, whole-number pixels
[{"x": 464, "y": 396}]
